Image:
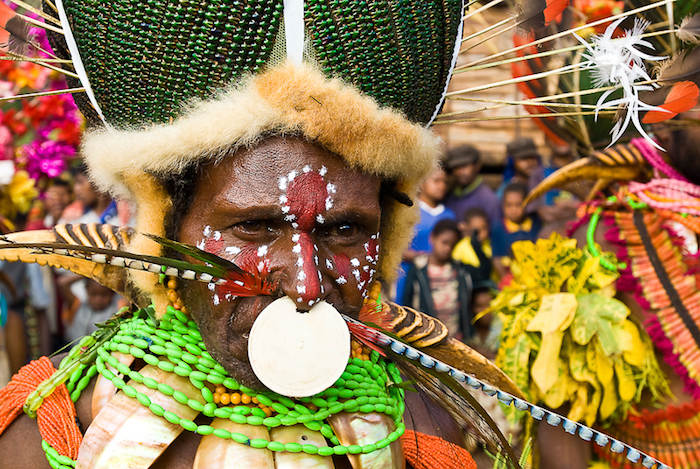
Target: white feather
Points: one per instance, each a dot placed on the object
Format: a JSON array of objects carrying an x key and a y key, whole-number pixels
[{"x": 294, "y": 29}]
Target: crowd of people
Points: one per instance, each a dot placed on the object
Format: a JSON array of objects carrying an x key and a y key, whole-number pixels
[
  {"x": 461, "y": 250},
  {"x": 49, "y": 308}
]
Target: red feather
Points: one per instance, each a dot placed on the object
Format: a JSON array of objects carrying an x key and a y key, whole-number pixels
[
  {"x": 252, "y": 281},
  {"x": 554, "y": 9},
  {"x": 682, "y": 97},
  {"x": 366, "y": 335}
]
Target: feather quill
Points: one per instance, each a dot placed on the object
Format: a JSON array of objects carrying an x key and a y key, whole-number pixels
[
  {"x": 230, "y": 277},
  {"x": 442, "y": 382},
  {"x": 14, "y": 32},
  {"x": 441, "y": 388}
]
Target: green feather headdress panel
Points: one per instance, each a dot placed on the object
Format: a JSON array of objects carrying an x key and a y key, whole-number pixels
[{"x": 144, "y": 59}]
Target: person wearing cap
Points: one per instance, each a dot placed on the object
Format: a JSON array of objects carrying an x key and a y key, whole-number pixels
[
  {"x": 523, "y": 161},
  {"x": 463, "y": 164}
]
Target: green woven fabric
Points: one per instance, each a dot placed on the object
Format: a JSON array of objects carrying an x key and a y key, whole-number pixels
[{"x": 145, "y": 58}]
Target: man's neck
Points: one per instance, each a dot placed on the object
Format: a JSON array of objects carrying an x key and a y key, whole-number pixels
[
  {"x": 461, "y": 191},
  {"x": 429, "y": 201},
  {"x": 432, "y": 260}
]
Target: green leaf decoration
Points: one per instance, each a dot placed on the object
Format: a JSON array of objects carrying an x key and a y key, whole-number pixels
[{"x": 597, "y": 314}]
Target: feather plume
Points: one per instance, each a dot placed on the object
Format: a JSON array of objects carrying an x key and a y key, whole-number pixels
[
  {"x": 443, "y": 383},
  {"x": 443, "y": 389},
  {"x": 689, "y": 30},
  {"x": 14, "y": 32}
]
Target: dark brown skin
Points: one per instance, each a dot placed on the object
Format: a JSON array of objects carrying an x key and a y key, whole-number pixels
[{"x": 240, "y": 198}]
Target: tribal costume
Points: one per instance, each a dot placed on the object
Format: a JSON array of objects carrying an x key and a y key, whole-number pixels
[{"x": 171, "y": 88}]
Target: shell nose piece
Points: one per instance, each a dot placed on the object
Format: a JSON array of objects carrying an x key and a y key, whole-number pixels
[{"x": 298, "y": 355}]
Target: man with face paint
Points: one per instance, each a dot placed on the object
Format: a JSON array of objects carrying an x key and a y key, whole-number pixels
[{"x": 288, "y": 157}]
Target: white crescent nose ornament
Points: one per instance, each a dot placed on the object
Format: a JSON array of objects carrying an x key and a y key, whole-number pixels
[{"x": 296, "y": 353}]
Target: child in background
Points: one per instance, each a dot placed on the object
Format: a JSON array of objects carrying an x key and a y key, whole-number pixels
[
  {"x": 487, "y": 329},
  {"x": 476, "y": 223},
  {"x": 90, "y": 303},
  {"x": 440, "y": 286},
  {"x": 432, "y": 211},
  {"x": 515, "y": 226}
]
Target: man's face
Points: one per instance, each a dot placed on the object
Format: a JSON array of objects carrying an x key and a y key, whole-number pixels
[
  {"x": 513, "y": 206},
  {"x": 480, "y": 225},
  {"x": 465, "y": 175},
  {"x": 525, "y": 166},
  {"x": 291, "y": 207},
  {"x": 84, "y": 191}
]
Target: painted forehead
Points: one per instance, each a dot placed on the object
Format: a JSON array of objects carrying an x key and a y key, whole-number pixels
[{"x": 305, "y": 197}]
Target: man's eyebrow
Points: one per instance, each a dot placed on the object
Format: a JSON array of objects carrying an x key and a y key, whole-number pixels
[
  {"x": 267, "y": 212},
  {"x": 352, "y": 215}
]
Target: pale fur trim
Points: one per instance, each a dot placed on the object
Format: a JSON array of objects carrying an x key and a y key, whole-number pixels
[{"x": 287, "y": 99}]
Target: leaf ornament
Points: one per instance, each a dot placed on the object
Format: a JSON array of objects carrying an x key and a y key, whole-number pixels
[
  {"x": 14, "y": 32},
  {"x": 682, "y": 97},
  {"x": 448, "y": 385},
  {"x": 562, "y": 324}
]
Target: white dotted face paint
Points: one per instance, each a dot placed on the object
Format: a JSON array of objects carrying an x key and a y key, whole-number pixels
[
  {"x": 217, "y": 235},
  {"x": 262, "y": 250},
  {"x": 207, "y": 231},
  {"x": 211, "y": 286},
  {"x": 216, "y": 299},
  {"x": 329, "y": 264},
  {"x": 354, "y": 262},
  {"x": 341, "y": 280},
  {"x": 232, "y": 250}
]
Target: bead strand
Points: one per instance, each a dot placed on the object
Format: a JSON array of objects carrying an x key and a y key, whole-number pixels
[{"x": 175, "y": 345}]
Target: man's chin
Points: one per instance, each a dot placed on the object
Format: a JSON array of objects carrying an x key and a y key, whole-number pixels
[{"x": 239, "y": 370}]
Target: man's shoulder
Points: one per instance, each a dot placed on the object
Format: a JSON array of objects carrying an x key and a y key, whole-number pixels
[{"x": 485, "y": 192}]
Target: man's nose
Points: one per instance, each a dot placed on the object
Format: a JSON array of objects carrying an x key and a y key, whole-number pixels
[{"x": 304, "y": 282}]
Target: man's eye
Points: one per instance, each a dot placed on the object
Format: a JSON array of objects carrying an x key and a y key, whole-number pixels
[
  {"x": 254, "y": 226},
  {"x": 344, "y": 230}
]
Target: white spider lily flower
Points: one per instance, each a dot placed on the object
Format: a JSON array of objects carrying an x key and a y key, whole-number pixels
[{"x": 619, "y": 62}]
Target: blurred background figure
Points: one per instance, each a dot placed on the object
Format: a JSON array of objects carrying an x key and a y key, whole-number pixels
[
  {"x": 514, "y": 226},
  {"x": 523, "y": 161},
  {"x": 91, "y": 205},
  {"x": 475, "y": 224},
  {"x": 463, "y": 165},
  {"x": 432, "y": 210},
  {"x": 87, "y": 303},
  {"x": 438, "y": 285}
]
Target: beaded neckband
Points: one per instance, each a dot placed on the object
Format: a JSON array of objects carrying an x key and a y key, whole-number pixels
[{"x": 175, "y": 345}]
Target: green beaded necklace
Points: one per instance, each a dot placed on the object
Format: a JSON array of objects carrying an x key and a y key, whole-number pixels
[{"x": 175, "y": 345}]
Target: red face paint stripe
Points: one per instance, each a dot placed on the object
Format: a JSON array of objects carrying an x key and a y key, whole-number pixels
[
  {"x": 306, "y": 197},
  {"x": 311, "y": 283}
]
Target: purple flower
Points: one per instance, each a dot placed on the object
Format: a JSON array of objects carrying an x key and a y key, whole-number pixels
[{"x": 46, "y": 158}]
